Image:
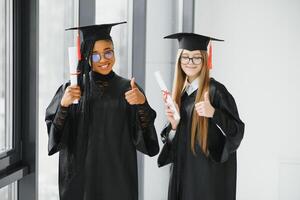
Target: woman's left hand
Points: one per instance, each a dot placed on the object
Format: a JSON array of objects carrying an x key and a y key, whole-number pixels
[
  {"x": 204, "y": 108},
  {"x": 134, "y": 96}
]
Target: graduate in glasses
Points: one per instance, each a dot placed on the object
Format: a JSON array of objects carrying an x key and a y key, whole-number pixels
[
  {"x": 202, "y": 145},
  {"x": 97, "y": 138}
]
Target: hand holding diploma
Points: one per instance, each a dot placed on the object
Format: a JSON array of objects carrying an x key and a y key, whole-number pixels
[
  {"x": 170, "y": 114},
  {"x": 172, "y": 109},
  {"x": 72, "y": 93}
]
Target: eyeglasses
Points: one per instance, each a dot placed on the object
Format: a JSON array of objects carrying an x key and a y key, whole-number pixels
[
  {"x": 186, "y": 60},
  {"x": 96, "y": 57}
]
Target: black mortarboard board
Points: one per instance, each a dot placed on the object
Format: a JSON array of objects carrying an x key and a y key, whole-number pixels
[
  {"x": 192, "y": 41},
  {"x": 96, "y": 32}
]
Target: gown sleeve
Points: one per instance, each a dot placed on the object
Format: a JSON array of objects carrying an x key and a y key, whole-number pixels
[
  {"x": 144, "y": 136},
  {"x": 166, "y": 155},
  {"x": 227, "y": 129},
  {"x": 57, "y": 122}
]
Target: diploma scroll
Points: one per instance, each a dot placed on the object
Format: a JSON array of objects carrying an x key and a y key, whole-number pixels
[
  {"x": 165, "y": 91},
  {"x": 73, "y": 62}
]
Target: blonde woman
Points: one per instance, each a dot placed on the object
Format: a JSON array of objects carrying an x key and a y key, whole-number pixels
[{"x": 202, "y": 146}]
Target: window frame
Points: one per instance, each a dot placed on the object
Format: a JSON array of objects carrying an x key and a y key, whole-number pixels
[
  {"x": 18, "y": 165},
  {"x": 11, "y": 156}
]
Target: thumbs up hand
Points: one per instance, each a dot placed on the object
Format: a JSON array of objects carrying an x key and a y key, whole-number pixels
[
  {"x": 204, "y": 108},
  {"x": 134, "y": 96}
]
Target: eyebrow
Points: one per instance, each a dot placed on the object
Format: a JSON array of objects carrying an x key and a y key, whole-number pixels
[{"x": 108, "y": 48}]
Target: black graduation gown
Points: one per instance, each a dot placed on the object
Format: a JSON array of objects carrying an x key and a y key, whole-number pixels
[
  {"x": 201, "y": 177},
  {"x": 99, "y": 161}
]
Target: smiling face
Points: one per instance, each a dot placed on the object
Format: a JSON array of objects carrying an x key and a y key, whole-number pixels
[
  {"x": 191, "y": 63},
  {"x": 103, "y": 57}
]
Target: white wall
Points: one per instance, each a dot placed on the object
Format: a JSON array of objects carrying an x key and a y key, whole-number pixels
[{"x": 259, "y": 63}]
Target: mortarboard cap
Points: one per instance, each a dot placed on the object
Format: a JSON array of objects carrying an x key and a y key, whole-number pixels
[
  {"x": 96, "y": 32},
  {"x": 192, "y": 41}
]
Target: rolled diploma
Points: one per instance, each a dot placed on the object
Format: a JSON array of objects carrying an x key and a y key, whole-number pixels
[
  {"x": 169, "y": 99},
  {"x": 73, "y": 62}
]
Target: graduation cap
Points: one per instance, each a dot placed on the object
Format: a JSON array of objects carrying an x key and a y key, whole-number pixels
[
  {"x": 192, "y": 41},
  {"x": 96, "y": 32}
]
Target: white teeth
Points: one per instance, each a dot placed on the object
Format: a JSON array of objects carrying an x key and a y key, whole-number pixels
[{"x": 104, "y": 66}]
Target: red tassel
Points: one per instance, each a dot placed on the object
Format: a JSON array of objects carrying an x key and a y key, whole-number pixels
[
  {"x": 209, "y": 60},
  {"x": 78, "y": 47}
]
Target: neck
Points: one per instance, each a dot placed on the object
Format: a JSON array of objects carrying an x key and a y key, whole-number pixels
[{"x": 191, "y": 78}]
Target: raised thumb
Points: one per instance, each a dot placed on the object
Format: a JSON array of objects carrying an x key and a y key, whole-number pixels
[
  {"x": 206, "y": 96},
  {"x": 132, "y": 83}
]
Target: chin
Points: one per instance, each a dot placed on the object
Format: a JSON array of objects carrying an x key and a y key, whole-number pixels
[
  {"x": 103, "y": 71},
  {"x": 190, "y": 74}
]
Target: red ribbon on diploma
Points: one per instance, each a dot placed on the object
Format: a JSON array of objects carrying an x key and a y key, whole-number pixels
[
  {"x": 165, "y": 93},
  {"x": 75, "y": 73}
]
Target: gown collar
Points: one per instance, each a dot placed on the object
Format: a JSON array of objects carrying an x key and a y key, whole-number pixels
[
  {"x": 192, "y": 87},
  {"x": 100, "y": 77}
]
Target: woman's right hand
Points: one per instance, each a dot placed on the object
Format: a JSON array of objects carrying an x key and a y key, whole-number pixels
[
  {"x": 170, "y": 114},
  {"x": 71, "y": 94}
]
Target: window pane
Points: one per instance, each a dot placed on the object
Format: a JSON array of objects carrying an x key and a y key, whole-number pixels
[
  {"x": 2, "y": 77},
  {"x": 5, "y": 75},
  {"x": 9, "y": 192}
]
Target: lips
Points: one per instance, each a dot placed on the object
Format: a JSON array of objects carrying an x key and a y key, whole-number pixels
[
  {"x": 106, "y": 66},
  {"x": 190, "y": 67}
]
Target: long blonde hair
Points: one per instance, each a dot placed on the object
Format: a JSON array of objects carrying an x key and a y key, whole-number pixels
[{"x": 199, "y": 128}]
